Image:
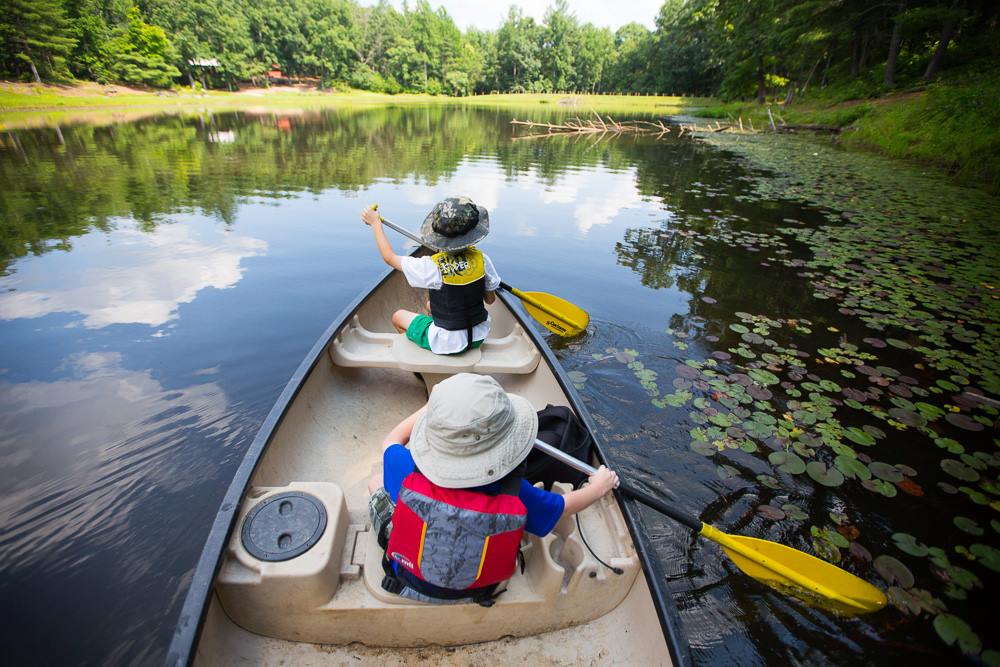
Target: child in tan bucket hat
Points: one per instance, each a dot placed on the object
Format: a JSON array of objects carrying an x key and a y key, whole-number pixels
[{"x": 454, "y": 470}]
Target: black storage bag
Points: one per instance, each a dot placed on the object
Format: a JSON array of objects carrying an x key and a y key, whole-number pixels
[{"x": 559, "y": 427}]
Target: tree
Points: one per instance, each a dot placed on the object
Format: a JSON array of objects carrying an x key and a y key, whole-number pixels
[
  {"x": 36, "y": 38},
  {"x": 517, "y": 51},
  {"x": 559, "y": 46},
  {"x": 593, "y": 57}
]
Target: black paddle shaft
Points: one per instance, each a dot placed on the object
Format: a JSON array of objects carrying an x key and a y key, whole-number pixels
[
  {"x": 649, "y": 501},
  {"x": 624, "y": 489}
]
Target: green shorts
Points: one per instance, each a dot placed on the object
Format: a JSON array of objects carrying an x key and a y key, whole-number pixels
[{"x": 417, "y": 332}]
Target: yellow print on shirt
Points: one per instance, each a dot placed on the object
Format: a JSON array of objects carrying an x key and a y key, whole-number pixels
[{"x": 460, "y": 268}]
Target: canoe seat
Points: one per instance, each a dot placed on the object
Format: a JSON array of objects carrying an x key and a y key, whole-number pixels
[{"x": 357, "y": 346}]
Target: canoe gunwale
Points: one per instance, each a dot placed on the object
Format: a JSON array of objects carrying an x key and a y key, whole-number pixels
[
  {"x": 191, "y": 620},
  {"x": 666, "y": 610}
]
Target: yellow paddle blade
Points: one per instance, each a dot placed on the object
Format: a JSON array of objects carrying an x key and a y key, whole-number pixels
[
  {"x": 557, "y": 315},
  {"x": 808, "y": 578}
]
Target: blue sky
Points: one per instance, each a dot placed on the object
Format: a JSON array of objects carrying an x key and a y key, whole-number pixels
[{"x": 490, "y": 14}]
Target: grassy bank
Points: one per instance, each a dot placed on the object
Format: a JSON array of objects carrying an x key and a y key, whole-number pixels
[
  {"x": 955, "y": 125},
  {"x": 23, "y": 105}
]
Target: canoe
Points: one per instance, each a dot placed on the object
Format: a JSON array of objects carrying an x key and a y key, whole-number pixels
[{"x": 291, "y": 572}]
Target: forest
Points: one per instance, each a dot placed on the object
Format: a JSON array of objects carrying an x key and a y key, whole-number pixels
[{"x": 733, "y": 49}]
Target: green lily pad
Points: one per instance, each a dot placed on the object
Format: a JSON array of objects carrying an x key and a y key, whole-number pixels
[
  {"x": 768, "y": 481},
  {"x": 794, "y": 512},
  {"x": 739, "y": 328},
  {"x": 787, "y": 462},
  {"x": 893, "y": 571},
  {"x": 852, "y": 468},
  {"x": 764, "y": 377},
  {"x": 952, "y": 629},
  {"x": 987, "y": 555},
  {"x": 908, "y": 544},
  {"x": 859, "y": 436},
  {"x": 967, "y": 525},
  {"x": 959, "y": 470},
  {"x": 825, "y": 476}
]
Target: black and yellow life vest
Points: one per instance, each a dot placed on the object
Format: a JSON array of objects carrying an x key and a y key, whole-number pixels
[{"x": 459, "y": 303}]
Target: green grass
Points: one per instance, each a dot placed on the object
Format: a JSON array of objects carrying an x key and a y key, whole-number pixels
[
  {"x": 16, "y": 106},
  {"x": 953, "y": 124}
]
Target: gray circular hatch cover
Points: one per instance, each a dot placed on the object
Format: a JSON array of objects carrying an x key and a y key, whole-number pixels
[{"x": 284, "y": 526}]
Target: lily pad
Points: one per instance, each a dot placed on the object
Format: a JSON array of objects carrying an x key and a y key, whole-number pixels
[
  {"x": 857, "y": 435},
  {"x": 770, "y": 512},
  {"x": 787, "y": 462},
  {"x": 825, "y": 476},
  {"x": 959, "y": 470},
  {"x": 963, "y": 422},
  {"x": 908, "y": 544},
  {"x": 889, "y": 473},
  {"x": 852, "y": 468},
  {"x": 893, "y": 571},
  {"x": 908, "y": 417},
  {"x": 952, "y": 629},
  {"x": 987, "y": 555},
  {"x": 794, "y": 512},
  {"x": 967, "y": 525}
]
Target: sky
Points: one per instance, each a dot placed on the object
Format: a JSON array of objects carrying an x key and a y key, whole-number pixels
[{"x": 488, "y": 15}]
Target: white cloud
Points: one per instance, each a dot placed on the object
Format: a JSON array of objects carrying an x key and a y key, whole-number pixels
[
  {"x": 597, "y": 197},
  {"x": 487, "y": 15},
  {"x": 129, "y": 276},
  {"x": 480, "y": 183}
]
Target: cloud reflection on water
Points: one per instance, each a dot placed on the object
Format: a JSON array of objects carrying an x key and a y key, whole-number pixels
[{"x": 129, "y": 275}]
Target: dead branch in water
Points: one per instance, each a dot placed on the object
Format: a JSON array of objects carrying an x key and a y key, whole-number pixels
[{"x": 602, "y": 126}]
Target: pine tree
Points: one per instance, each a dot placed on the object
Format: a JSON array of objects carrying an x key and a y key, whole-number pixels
[{"x": 35, "y": 36}]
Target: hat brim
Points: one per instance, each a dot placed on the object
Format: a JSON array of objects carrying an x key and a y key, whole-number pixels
[
  {"x": 468, "y": 471},
  {"x": 453, "y": 243}
]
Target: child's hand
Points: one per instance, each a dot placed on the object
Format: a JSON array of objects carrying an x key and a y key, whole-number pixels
[
  {"x": 604, "y": 480},
  {"x": 371, "y": 218}
]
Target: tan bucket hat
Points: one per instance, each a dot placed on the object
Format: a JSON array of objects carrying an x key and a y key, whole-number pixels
[{"x": 473, "y": 432}]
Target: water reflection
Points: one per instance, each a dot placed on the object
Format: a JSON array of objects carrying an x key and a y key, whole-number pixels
[{"x": 129, "y": 275}]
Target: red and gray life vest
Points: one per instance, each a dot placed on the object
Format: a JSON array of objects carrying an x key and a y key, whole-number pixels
[
  {"x": 458, "y": 304},
  {"x": 455, "y": 539}
]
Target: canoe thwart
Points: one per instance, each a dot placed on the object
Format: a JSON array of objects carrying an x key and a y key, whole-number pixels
[{"x": 356, "y": 346}]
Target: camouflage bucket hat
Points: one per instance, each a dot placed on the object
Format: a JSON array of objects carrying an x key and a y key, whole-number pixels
[{"x": 455, "y": 224}]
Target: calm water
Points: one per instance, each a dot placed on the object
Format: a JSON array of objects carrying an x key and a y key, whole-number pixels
[{"x": 161, "y": 279}]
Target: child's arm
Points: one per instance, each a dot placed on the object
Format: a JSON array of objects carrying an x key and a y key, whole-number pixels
[
  {"x": 400, "y": 434},
  {"x": 601, "y": 482},
  {"x": 373, "y": 220},
  {"x": 489, "y": 297}
]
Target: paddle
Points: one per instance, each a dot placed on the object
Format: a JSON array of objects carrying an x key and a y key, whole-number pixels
[
  {"x": 786, "y": 569},
  {"x": 557, "y": 315}
]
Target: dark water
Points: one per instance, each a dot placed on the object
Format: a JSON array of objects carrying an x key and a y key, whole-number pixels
[{"x": 161, "y": 279}]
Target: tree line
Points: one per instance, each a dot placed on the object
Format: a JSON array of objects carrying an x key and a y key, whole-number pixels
[{"x": 730, "y": 48}]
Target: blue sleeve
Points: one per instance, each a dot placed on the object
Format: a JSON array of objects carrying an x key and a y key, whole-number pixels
[
  {"x": 397, "y": 463},
  {"x": 544, "y": 508}
]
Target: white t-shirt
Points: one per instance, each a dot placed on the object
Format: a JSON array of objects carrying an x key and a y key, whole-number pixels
[{"x": 423, "y": 273}]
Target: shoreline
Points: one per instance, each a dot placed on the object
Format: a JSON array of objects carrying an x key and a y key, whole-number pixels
[{"x": 38, "y": 105}]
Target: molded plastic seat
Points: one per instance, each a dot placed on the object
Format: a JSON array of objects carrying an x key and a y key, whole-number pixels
[{"x": 359, "y": 347}]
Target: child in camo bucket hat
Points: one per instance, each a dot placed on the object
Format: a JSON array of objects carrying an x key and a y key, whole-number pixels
[
  {"x": 461, "y": 279},
  {"x": 455, "y": 224}
]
